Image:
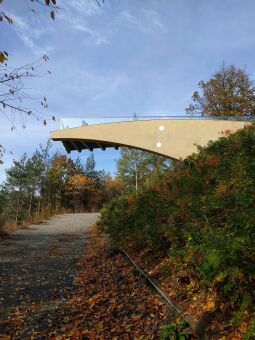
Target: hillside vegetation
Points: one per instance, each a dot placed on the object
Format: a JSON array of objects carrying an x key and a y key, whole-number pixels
[{"x": 201, "y": 215}]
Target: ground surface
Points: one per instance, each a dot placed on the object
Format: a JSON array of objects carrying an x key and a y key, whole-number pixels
[
  {"x": 111, "y": 300},
  {"x": 37, "y": 270}
]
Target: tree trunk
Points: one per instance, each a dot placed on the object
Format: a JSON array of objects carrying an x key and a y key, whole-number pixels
[
  {"x": 30, "y": 204},
  {"x": 39, "y": 206},
  {"x": 136, "y": 178},
  {"x": 17, "y": 208}
]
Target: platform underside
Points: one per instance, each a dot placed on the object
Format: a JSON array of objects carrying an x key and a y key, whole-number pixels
[{"x": 77, "y": 145}]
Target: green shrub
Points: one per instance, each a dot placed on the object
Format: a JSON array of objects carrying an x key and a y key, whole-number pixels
[
  {"x": 251, "y": 332},
  {"x": 203, "y": 210},
  {"x": 176, "y": 331}
]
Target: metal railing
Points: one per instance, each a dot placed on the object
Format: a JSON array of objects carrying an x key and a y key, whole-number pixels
[{"x": 76, "y": 122}]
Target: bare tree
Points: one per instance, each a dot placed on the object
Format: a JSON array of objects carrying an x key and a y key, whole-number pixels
[
  {"x": 15, "y": 98},
  {"x": 14, "y": 95}
]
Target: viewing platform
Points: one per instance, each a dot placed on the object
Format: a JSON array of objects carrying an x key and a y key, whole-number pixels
[{"x": 172, "y": 136}]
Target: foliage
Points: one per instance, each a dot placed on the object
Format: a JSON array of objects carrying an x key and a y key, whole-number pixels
[
  {"x": 203, "y": 211},
  {"x": 229, "y": 92},
  {"x": 176, "y": 331},
  {"x": 251, "y": 332},
  {"x": 84, "y": 192},
  {"x": 134, "y": 167},
  {"x": 114, "y": 187},
  {"x": 42, "y": 185},
  {"x": 89, "y": 168}
]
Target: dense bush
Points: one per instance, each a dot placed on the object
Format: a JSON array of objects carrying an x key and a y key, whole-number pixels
[{"x": 204, "y": 210}]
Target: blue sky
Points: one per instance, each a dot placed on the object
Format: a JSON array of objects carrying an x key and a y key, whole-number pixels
[{"x": 128, "y": 56}]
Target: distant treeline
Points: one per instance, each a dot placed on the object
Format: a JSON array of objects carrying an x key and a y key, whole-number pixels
[{"x": 39, "y": 186}]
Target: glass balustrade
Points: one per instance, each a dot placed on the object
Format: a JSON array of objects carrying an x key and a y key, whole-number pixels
[{"x": 66, "y": 123}]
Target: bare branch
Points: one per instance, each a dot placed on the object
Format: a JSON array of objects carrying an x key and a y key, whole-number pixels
[{"x": 15, "y": 97}]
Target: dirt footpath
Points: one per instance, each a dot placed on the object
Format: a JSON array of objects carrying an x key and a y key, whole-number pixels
[{"x": 37, "y": 271}]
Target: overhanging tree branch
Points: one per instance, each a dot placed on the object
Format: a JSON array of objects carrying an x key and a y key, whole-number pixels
[{"x": 14, "y": 96}]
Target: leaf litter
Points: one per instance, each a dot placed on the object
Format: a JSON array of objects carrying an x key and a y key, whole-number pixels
[{"x": 108, "y": 300}]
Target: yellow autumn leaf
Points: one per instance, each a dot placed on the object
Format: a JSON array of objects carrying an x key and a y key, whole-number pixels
[
  {"x": 218, "y": 278},
  {"x": 210, "y": 304}
]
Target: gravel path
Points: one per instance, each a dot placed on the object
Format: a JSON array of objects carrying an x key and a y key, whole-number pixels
[{"x": 37, "y": 267}]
